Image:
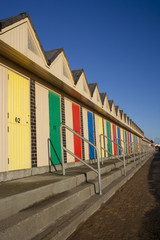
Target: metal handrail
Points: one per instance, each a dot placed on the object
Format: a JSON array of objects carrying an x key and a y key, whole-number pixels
[
  {"x": 141, "y": 151},
  {"x": 49, "y": 155},
  {"x": 131, "y": 145},
  {"x": 124, "y": 162},
  {"x": 81, "y": 160},
  {"x": 133, "y": 150},
  {"x": 125, "y": 143}
]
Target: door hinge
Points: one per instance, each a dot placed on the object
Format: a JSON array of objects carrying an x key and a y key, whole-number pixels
[
  {"x": 8, "y": 114},
  {"x": 8, "y": 76},
  {"x": 8, "y": 160},
  {"x": 8, "y": 129}
]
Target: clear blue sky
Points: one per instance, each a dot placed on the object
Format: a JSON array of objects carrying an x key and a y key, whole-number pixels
[{"x": 117, "y": 42}]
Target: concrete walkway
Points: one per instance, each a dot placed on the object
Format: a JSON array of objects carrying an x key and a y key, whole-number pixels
[{"x": 133, "y": 213}]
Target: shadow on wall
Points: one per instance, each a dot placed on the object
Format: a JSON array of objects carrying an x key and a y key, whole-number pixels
[{"x": 151, "y": 224}]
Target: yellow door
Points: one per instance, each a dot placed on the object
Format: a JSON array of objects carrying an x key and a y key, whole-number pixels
[
  {"x": 18, "y": 123},
  {"x": 122, "y": 138},
  {"x": 100, "y": 125}
]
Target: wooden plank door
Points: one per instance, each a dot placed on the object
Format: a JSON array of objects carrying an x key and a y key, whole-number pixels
[
  {"x": 130, "y": 136},
  {"x": 55, "y": 121},
  {"x": 114, "y": 139},
  {"x": 19, "y": 149},
  {"x": 128, "y": 142},
  {"x": 119, "y": 141},
  {"x": 91, "y": 135},
  {"x": 77, "y": 128},
  {"x": 108, "y": 140}
]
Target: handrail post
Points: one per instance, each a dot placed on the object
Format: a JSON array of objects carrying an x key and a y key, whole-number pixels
[
  {"x": 101, "y": 149},
  {"x": 124, "y": 162},
  {"x": 49, "y": 155},
  {"x": 99, "y": 172},
  {"x": 134, "y": 155},
  {"x": 81, "y": 160},
  {"x": 62, "y": 152}
]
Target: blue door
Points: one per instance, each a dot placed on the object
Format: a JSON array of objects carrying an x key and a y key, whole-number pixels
[
  {"x": 130, "y": 141},
  {"x": 119, "y": 141},
  {"x": 91, "y": 136}
]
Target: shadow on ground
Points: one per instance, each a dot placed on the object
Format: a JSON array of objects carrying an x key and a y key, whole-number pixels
[{"x": 151, "y": 223}]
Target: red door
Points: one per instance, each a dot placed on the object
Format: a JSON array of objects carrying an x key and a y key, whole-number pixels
[
  {"x": 114, "y": 139},
  {"x": 135, "y": 143},
  {"x": 77, "y": 128},
  {"x": 128, "y": 142}
]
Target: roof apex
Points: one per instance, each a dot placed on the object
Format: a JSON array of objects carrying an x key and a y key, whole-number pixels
[
  {"x": 76, "y": 75},
  {"x": 9, "y": 21}
]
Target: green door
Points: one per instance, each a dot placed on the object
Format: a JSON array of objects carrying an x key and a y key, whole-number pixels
[
  {"x": 55, "y": 121},
  {"x": 109, "y": 142},
  {"x": 125, "y": 133}
]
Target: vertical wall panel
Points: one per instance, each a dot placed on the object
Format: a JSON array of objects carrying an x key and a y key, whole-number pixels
[
  {"x": 69, "y": 123},
  {"x": 42, "y": 118},
  {"x": 105, "y": 139},
  {"x": 122, "y": 138},
  {"x": 97, "y": 133},
  {"x": 94, "y": 130},
  {"x": 85, "y": 128},
  {"x": 33, "y": 124},
  {"x": 63, "y": 130},
  {"x": 17, "y": 38},
  {"x": 128, "y": 142},
  {"x": 3, "y": 119},
  {"x": 100, "y": 126},
  {"x": 82, "y": 132}
]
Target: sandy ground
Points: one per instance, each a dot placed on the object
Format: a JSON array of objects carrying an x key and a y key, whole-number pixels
[{"x": 133, "y": 213}]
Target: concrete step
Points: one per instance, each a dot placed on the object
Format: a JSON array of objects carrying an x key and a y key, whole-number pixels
[
  {"x": 66, "y": 225},
  {"x": 33, "y": 220},
  {"x": 56, "y": 183}
]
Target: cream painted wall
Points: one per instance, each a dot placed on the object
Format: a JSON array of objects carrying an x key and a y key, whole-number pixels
[
  {"x": 57, "y": 66},
  {"x": 69, "y": 135},
  {"x": 122, "y": 137},
  {"x": 105, "y": 139},
  {"x": 80, "y": 87},
  {"x": 42, "y": 125},
  {"x": 3, "y": 119},
  {"x": 100, "y": 125},
  {"x": 56, "y": 69},
  {"x": 95, "y": 96},
  {"x": 106, "y": 105},
  {"x": 17, "y": 37},
  {"x": 97, "y": 133}
]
